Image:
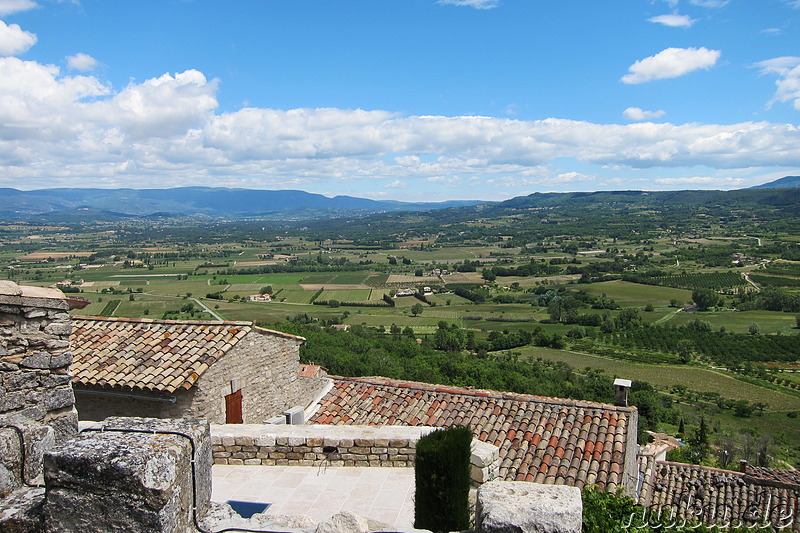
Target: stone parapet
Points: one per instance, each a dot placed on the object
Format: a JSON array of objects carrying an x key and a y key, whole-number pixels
[
  {"x": 484, "y": 462},
  {"x": 315, "y": 445},
  {"x": 133, "y": 475},
  {"x": 525, "y": 507},
  {"x": 331, "y": 445}
]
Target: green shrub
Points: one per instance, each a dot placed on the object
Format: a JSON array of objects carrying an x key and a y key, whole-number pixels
[{"x": 442, "y": 476}]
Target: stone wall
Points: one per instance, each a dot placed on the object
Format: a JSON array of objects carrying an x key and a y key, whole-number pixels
[
  {"x": 264, "y": 366},
  {"x": 312, "y": 445},
  {"x": 327, "y": 445},
  {"x": 36, "y": 400}
]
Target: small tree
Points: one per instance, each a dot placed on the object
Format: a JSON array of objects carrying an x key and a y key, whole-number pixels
[
  {"x": 442, "y": 478},
  {"x": 753, "y": 329},
  {"x": 685, "y": 349},
  {"x": 416, "y": 309}
]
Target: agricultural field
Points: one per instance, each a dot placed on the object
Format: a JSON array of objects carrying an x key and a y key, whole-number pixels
[
  {"x": 645, "y": 276},
  {"x": 769, "y": 322},
  {"x": 667, "y": 376}
]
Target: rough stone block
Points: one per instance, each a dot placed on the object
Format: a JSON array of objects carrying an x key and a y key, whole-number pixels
[
  {"x": 21, "y": 380},
  {"x": 64, "y": 424},
  {"x": 11, "y": 401},
  {"x": 199, "y": 434},
  {"x": 245, "y": 441},
  {"x": 296, "y": 441},
  {"x": 264, "y": 440},
  {"x": 59, "y": 398},
  {"x": 483, "y": 453},
  {"x": 58, "y": 328},
  {"x": 52, "y": 380},
  {"x": 61, "y": 360},
  {"x": 40, "y": 359},
  {"x": 22, "y": 512},
  {"x": 344, "y": 522},
  {"x": 524, "y": 507},
  {"x": 119, "y": 482}
]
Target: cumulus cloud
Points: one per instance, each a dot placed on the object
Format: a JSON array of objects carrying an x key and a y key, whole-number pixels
[
  {"x": 726, "y": 182},
  {"x": 637, "y": 114},
  {"x": 787, "y": 68},
  {"x": 477, "y": 4},
  {"x": 82, "y": 62},
  {"x": 13, "y": 6},
  {"x": 14, "y": 40},
  {"x": 671, "y": 63},
  {"x": 396, "y": 184},
  {"x": 674, "y": 21},
  {"x": 710, "y": 3},
  {"x": 75, "y": 130}
]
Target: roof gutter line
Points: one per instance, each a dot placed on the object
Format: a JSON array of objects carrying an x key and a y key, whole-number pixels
[{"x": 133, "y": 395}]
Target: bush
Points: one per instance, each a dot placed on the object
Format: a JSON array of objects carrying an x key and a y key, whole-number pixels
[{"x": 442, "y": 476}]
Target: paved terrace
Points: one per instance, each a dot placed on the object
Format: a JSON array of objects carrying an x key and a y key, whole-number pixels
[{"x": 378, "y": 493}]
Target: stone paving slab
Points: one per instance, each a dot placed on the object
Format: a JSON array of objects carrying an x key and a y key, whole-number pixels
[{"x": 382, "y": 494}]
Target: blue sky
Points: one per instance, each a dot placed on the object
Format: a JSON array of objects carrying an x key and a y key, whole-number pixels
[{"x": 400, "y": 99}]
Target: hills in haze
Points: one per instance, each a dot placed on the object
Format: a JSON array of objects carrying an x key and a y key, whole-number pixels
[
  {"x": 74, "y": 205},
  {"x": 212, "y": 202}
]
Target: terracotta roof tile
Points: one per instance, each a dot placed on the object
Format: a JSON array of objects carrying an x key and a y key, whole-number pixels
[
  {"x": 547, "y": 440},
  {"x": 722, "y": 496},
  {"x": 159, "y": 355}
]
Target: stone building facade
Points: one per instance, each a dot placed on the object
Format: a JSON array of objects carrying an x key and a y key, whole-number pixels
[{"x": 177, "y": 369}]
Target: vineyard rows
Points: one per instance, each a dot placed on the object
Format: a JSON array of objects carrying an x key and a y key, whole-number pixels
[
  {"x": 727, "y": 349},
  {"x": 715, "y": 280}
]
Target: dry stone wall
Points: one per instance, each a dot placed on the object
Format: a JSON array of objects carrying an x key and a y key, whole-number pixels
[
  {"x": 324, "y": 445},
  {"x": 36, "y": 399}
]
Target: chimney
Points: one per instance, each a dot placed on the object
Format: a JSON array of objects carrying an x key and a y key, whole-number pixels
[
  {"x": 621, "y": 386},
  {"x": 743, "y": 465}
]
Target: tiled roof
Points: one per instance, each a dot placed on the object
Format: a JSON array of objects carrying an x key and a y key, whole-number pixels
[
  {"x": 677, "y": 490},
  {"x": 154, "y": 355},
  {"x": 545, "y": 440},
  {"x": 310, "y": 371},
  {"x": 786, "y": 477}
]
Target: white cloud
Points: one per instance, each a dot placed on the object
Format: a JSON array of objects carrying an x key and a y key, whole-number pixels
[
  {"x": 13, "y": 6},
  {"x": 710, "y": 3},
  {"x": 787, "y": 68},
  {"x": 568, "y": 177},
  {"x": 726, "y": 182},
  {"x": 73, "y": 130},
  {"x": 671, "y": 63},
  {"x": 674, "y": 21},
  {"x": 82, "y": 62},
  {"x": 637, "y": 114},
  {"x": 14, "y": 40},
  {"x": 396, "y": 184},
  {"x": 477, "y": 4}
]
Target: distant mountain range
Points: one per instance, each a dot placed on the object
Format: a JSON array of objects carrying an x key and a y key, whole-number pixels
[
  {"x": 207, "y": 202},
  {"x": 109, "y": 205},
  {"x": 789, "y": 182}
]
